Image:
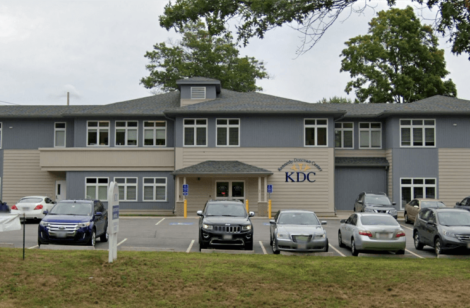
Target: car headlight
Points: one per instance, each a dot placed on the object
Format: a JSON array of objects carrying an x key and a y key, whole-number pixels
[
  {"x": 83, "y": 224},
  {"x": 393, "y": 211},
  {"x": 282, "y": 236},
  {"x": 246, "y": 228},
  {"x": 368, "y": 209},
  {"x": 44, "y": 224},
  {"x": 451, "y": 234},
  {"x": 207, "y": 227},
  {"x": 320, "y": 236}
]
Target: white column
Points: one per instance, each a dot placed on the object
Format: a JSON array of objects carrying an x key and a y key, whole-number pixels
[
  {"x": 177, "y": 189},
  {"x": 265, "y": 189},
  {"x": 259, "y": 189}
]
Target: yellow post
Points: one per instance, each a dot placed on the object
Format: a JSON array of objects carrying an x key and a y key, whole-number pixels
[
  {"x": 185, "y": 208},
  {"x": 247, "y": 206},
  {"x": 269, "y": 208}
]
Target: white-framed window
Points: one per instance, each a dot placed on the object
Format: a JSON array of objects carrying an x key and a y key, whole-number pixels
[
  {"x": 195, "y": 132},
  {"x": 154, "y": 189},
  {"x": 127, "y": 188},
  {"x": 198, "y": 92},
  {"x": 316, "y": 132},
  {"x": 411, "y": 188},
  {"x": 370, "y": 135},
  {"x": 230, "y": 189},
  {"x": 60, "y": 129},
  {"x": 154, "y": 133},
  {"x": 126, "y": 133},
  {"x": 344, "y": 135},
  {"x": 417, "y": 133},
  {"x": 97, "y": 133},
  {"x": 228, "y": 132},
  {"x": 1, "y": 134},
  {"x": 96, "y": 188}
]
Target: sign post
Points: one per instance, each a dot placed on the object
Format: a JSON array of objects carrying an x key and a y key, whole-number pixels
[
  {"x": 113, "y": 219},
  {"x": 185, "y": 193},
  {"x": 270, "y": 191}
]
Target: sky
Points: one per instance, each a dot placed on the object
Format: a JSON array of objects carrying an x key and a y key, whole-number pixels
[{"x": 94, "y": 49}]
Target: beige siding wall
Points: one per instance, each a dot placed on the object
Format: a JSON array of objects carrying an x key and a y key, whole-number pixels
[
  {"x": 454, "y": 175},
  {"x": 22, "y": 176},
  {"x": 317, "y": 196},
  {"x": 360, "y": 153},
  {"x": 388, "y": 156}
]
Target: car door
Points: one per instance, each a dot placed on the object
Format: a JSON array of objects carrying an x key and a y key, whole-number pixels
[
  {"x": 430, "y": 228},
  {"x": 273, "y": 227},
  {"x": 99, "y": 220},
  {"x": 413, "y": 209},
  {"x": 348, "y": 229},
  {"x": 420, "y": 223}
]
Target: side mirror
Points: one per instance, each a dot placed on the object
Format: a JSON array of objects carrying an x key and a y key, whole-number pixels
[
  {"x": 415, "y": 206},
  {"x": 272, "y": 222},
  {"x": 360, "y": 202},
  {"x": 199, "y": 213},
  {"x": 457, "y": 203},
  {"x": 324, "y": 222},
  {"x": 343, "y": 221},
  {"x": 45, "y": 212},
  {"x": 98, "y": 214},
  {"x": 394, "y": 203},
  {"x": 252, "y": 214},
  {"x": 430, "y": 223}
]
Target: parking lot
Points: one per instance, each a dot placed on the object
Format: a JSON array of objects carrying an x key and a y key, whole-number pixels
[{"x": 181, "y": 235}]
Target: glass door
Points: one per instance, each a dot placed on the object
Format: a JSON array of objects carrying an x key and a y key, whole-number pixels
[{"x": 230, "y": 190}]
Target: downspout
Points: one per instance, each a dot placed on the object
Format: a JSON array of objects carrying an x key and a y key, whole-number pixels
[
  {"x": 174, "y": 153},
  {"x": 334, "y": 155}
]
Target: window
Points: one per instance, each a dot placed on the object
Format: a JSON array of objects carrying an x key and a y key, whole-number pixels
[
  {"x": 417, "y": 133},
  {"x": 228, "y": 132},
  {"x": 155, "y": 189},
  {"x": 126, "y": 133},
  {"x": 230, "y": 189},
  {"x": 198, "y": 92},
  {"x": 127, "y": 188},
  {"x": 97, "y": 133},
  {"x": 59, "y": 134},
  {"x": 96, "y": 188},
  {"x": 412, "y": 188},
  {"x": 316, "y": 132},
  {"x": 344, "y": 135},
  {"x": 195, "y": 132},
  {"x": 154, "y": 133},
  {"x": 370, "y": 135}
]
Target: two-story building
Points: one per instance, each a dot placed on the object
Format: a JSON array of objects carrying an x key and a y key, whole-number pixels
[{"x": 225, "y": 144}]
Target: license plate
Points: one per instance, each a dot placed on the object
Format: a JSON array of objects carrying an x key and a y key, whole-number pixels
[
  {"x": 61, "y": 234},
  {"x": 383, "y": 235},
  {"x": 25, "y": 209},
  {"x": 301, "y": 246},
  {"x": 227, "y": 237}
]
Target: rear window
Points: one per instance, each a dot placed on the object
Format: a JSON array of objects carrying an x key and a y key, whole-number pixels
[
  {"x": 377, "y": 199},
  {"x": 385, "y": 220},
  {"x": 30, "y": 200},
  {"x": 225, "y": 209},
  {"x": 432, "y": 204}
]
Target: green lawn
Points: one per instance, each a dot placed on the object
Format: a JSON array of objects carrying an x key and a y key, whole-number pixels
[{"x": 166, "y": 279}]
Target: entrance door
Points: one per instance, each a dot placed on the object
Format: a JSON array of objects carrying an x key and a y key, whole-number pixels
[
  {"x": 230, "y": 190},
  {"x": 60, "y": 190}
]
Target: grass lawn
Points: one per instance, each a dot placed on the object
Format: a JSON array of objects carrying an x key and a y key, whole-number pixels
[{"x": 168, "y": 279}]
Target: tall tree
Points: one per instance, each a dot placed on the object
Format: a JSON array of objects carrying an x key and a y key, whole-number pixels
[
  {"x": 398, "y": 61},
  {"x": 336, "y": 100},
  {"x": 202, "y": 54},
  {"x": 311, "y": 17}
]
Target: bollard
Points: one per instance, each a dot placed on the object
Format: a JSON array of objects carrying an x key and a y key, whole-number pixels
[
  {"x": 269, "y": 208},
  {"x": 185, "y": 208},
  {"x": 247, "y": 206}
]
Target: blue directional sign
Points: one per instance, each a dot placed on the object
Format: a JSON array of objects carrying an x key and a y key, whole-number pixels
[
  {"x": 270, "y": 189},
  {"x": 185, "y": 189}
]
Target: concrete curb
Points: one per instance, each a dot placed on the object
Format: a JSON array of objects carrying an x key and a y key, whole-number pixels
[
  {"x": 7, "y": 245},
  {"x": 65, "y": 247},
  {"x": 234, "y": 252}
]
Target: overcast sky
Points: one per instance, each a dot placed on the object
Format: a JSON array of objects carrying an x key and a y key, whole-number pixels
[{"x": 95, "y": 49}]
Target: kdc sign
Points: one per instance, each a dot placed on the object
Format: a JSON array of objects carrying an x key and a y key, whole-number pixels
[{"x": 302, "y": 170}]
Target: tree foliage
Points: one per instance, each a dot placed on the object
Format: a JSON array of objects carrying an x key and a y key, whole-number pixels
[
  {"x": 337, "y": 100},
  {"x": 202, "y": 54},
  {"x": 311, "y": 17},
  {"x": 398, "y": 61}
]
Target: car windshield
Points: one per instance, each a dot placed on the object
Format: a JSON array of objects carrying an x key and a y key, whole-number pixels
[
  {"x": 432, "y": 204},
  {"x": 30, "y": 200},
  {"x": 297, "y": 218},
  {"x": 68, "y": 208},
  {"x": 225, "y": 209},
  {"x": 454, "y": 218},
  {"x": 385, "y": 220},
  {"x": 377, "y": 200}
]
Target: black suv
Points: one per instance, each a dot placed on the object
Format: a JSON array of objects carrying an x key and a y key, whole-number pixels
[
  {"x": 225, "y": 222},
  {"x": 464, "y": 204},
  {"x": 375, "y": 203}
]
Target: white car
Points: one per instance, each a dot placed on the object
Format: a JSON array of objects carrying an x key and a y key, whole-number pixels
[{"x": 32, "y": 207}]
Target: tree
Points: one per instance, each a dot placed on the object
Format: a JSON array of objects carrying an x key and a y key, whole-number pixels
[
  {"x": 201, "y": 54},
  {"x": 313, "y": 17},
  {"x": 336, "y": 100},
  {"x": 398, "y": 61}
]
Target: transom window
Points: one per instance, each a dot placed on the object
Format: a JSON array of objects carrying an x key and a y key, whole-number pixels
[
  {"x": 316, "y": 132},
  {"x": 154, "y": 133},
  {"x": 96, "y": 188},
  {"x": 370, "y": 135},
  {"x": 228, "y": 132},
  {"x": 97, "y": 133},
  {"x": 155, "y": 189},
  {"x": 126, "y": 133},
  {"x": 59, "y": 134},
  {"x": 127, "y": 188},
  {"x": 412, "y": 188},
  {"x": 417, "y": 133},
  {"x": 344, "y": 135},
  {"x": 198, "y": 92},
  {"x": 195, "y": 132}
]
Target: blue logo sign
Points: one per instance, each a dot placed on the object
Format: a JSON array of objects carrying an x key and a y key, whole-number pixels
[
  {"x": 270, "y": 189},
  {"x": 116, "y": 212},
  {"x": 301, "y": 177},
  {"x": 185, "y": 188}
]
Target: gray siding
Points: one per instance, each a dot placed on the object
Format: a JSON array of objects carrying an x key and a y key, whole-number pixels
[
  {"x": 76, "y": 188},
  {"x": 186, "y": 91},
  {"x": 350, "y": 182},
  {"x": 450, "y": 136},
  {"x": 356, "y": 130}
]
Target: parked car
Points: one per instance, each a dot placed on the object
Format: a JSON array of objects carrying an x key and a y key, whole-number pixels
[
  {"x": 32, "y": 206},
  {"x": 299, "y": 231},
  {"x": 4, "y": 207},
  {"x": 225, "y": 222},
  {"x": 443, "y": 229},
  {"x": 464, "y": 204},
  {"x": 375, "y": 203},
  {"x": 371, "y": 232},
  {"x": 412, "y": 208},
  {"x": 74, "y": 222}
]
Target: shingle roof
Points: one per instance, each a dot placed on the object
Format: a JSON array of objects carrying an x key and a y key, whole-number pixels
[
  {"x": 361, "y": 162},
  {"x": 212, "y": 167}
]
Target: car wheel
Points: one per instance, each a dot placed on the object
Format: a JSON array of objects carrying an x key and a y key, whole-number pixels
[
  {"x": 438, "y": 246},
  {"x": 340, "y": 240},
  {"x": 400, "y": 252},
  {"x": 105, "y": 236},
  {"x": 92, "y": 241},
  {"x": 249, "y": 246},
  {"x": 201, "y": 243},
  {"x": 354, "y": 251},
  {"x": 417, "y": 242},
  {"x": 275, "y": 249},
  {"x": 270, "y": 241},
  {"x": 407, "y": 221},
  {"x": 326, "y": 246}
]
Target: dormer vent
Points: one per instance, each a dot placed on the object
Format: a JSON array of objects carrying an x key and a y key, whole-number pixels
[{"x": 198, "y": 92}]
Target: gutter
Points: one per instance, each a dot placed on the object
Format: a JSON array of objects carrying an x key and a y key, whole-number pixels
[{"x": 174, "y": 152}]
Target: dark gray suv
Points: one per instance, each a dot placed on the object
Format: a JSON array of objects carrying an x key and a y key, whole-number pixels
[{"x": 375, "y": 203}]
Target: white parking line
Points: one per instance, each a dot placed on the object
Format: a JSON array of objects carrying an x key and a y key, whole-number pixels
[
  {"x": 33, "y": 247},
  {"x": 414, "y": 254},
  {"x": 406, "y": 227},
  {"x": 336, "y": 250},
  {"x": 262, "y": 247},
  {"x": 122, "y": 242},
  {"x": 190, "y": 246},
  {"x": 159, "y": 221}
]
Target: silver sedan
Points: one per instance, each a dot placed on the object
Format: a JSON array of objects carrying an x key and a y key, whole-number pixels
[{"x": 371, "y": 232}]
